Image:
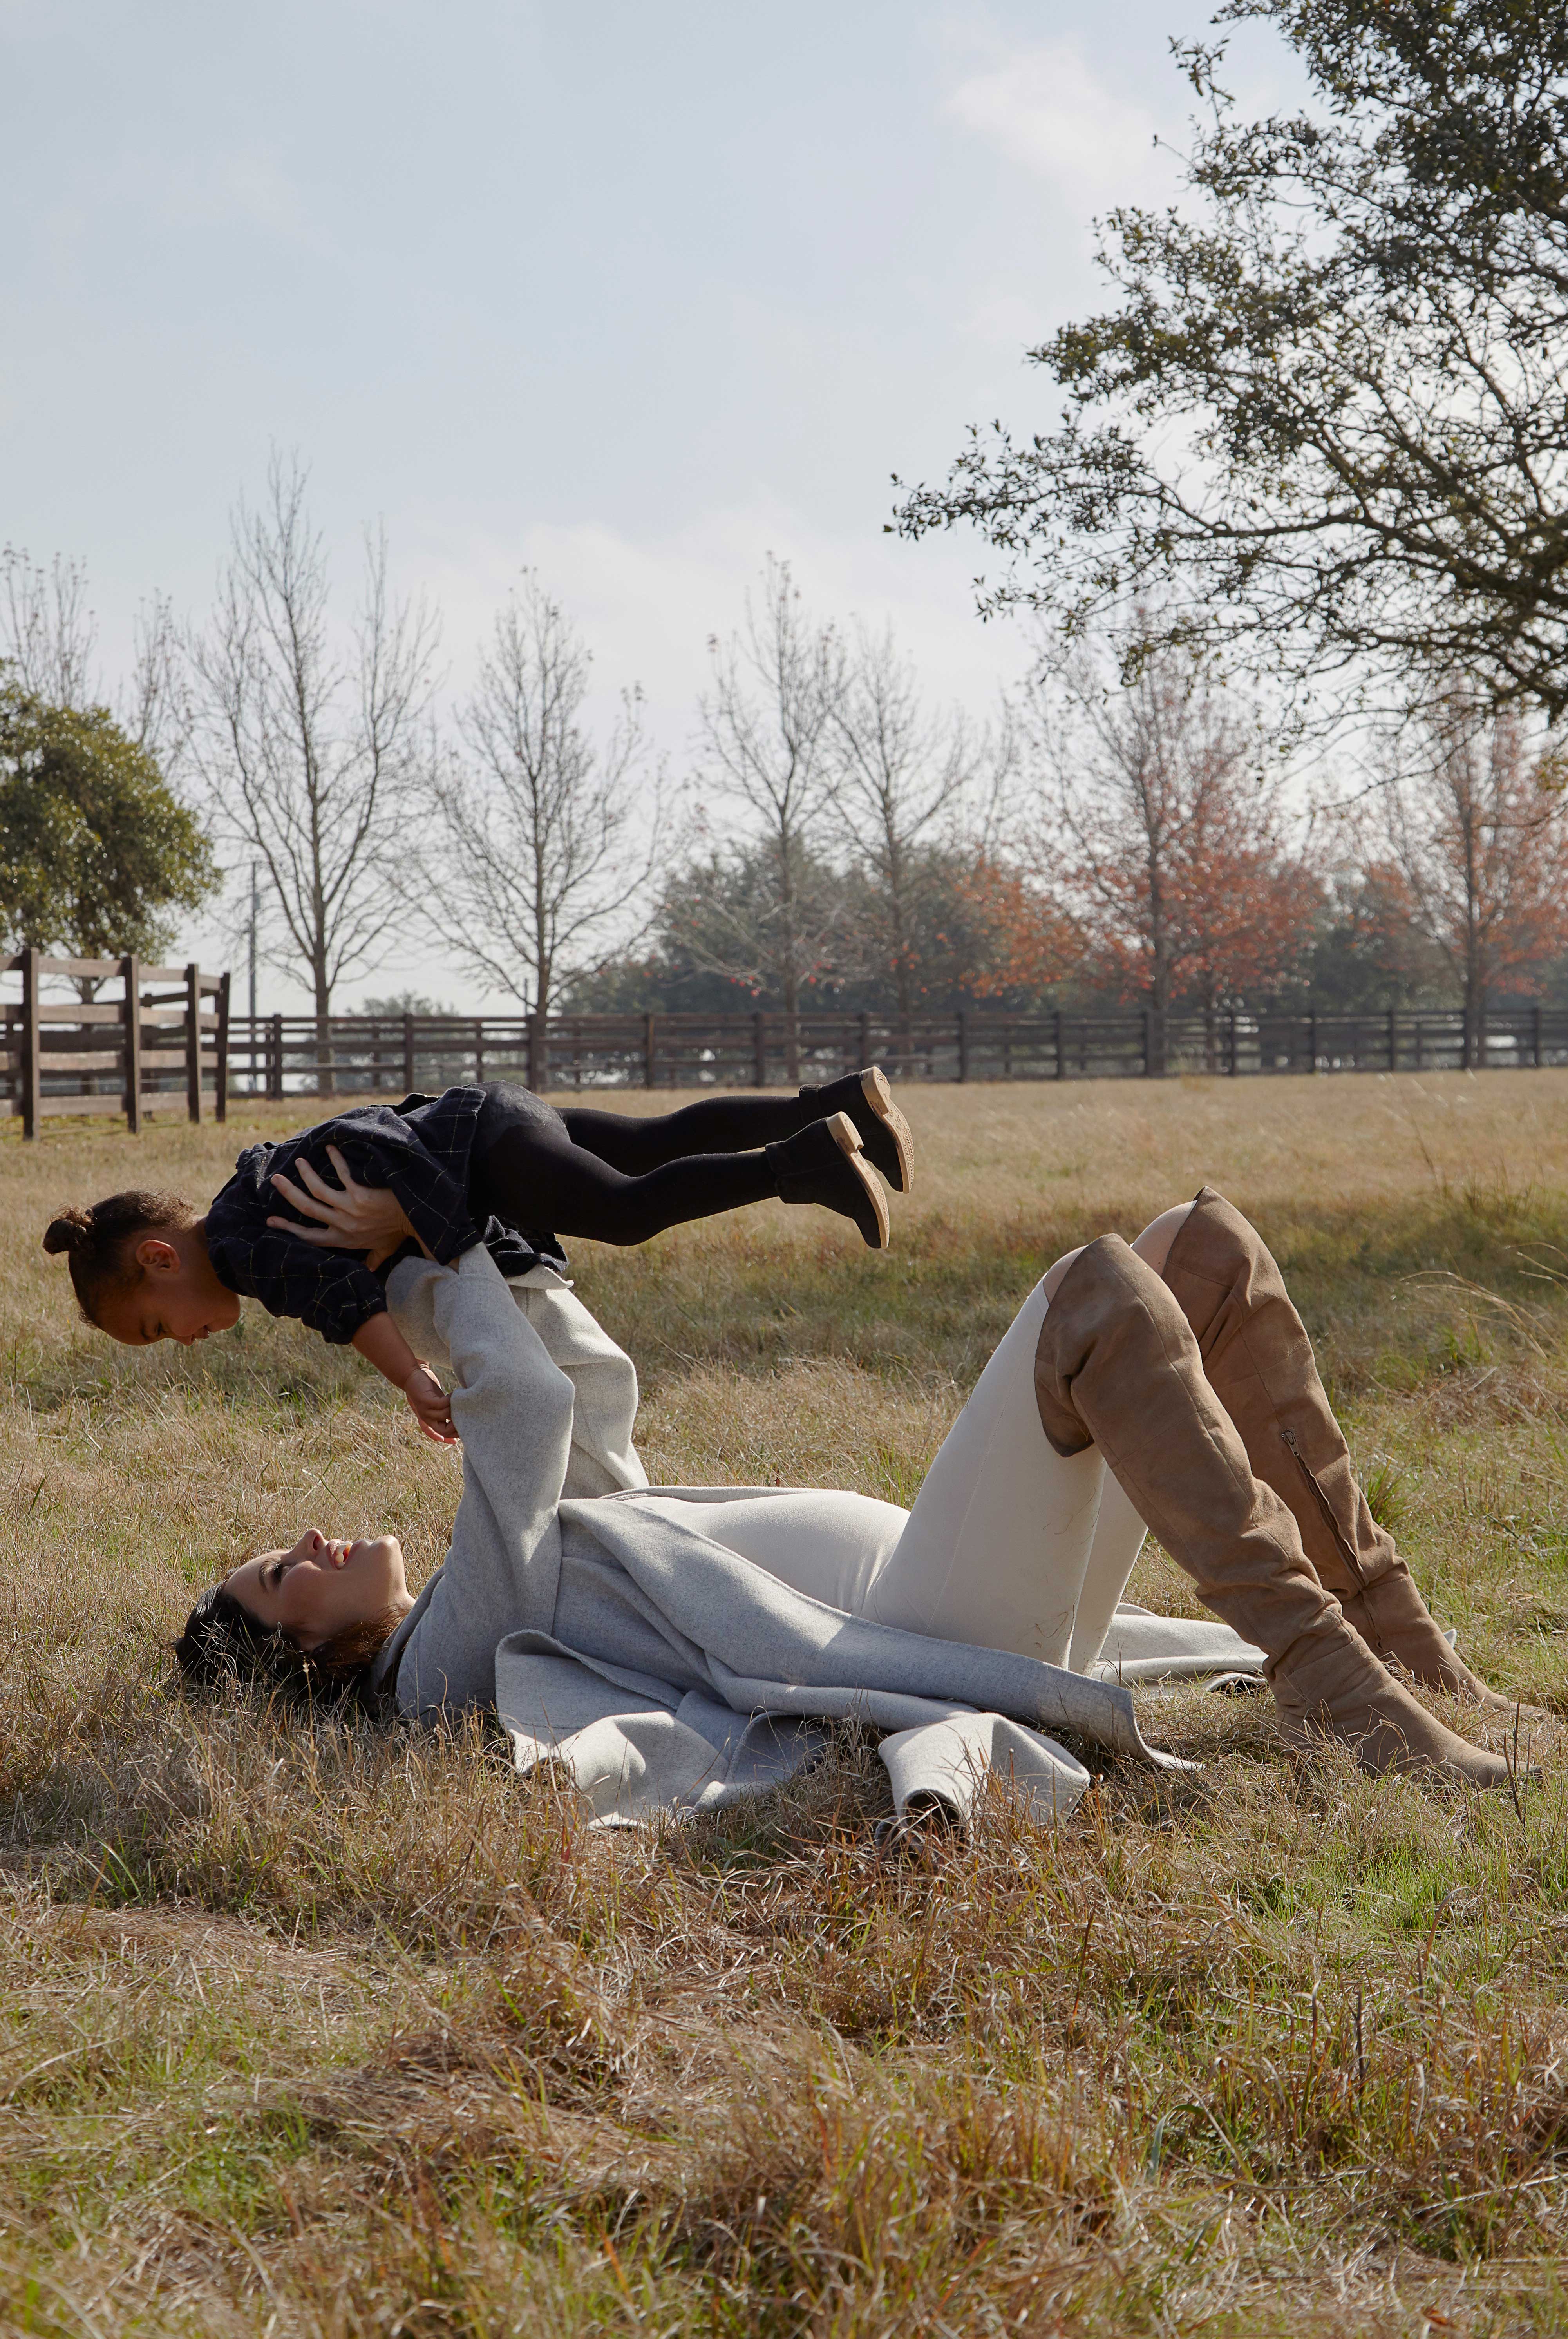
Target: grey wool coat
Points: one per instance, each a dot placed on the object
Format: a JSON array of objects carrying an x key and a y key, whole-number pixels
[{"x": 734, "y": 1671}]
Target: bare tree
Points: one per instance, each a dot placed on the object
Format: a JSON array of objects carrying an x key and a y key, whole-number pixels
[
  {"x": 1477, "y": 833},
  {"x": 545, "y": 834},
  {"x": 48, "y": 634},
  {"x": 1162, "y": 842},
  {"x": 155, "y": 703},
  {"x": 309, "y": 749},
  {"x": 906, "y": 777},
  {"x": 769, "y": 747},
  {"x": 49, "y": 640}
]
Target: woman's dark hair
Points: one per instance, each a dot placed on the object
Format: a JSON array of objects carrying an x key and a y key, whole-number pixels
[
  {"x": 222, "y": 1641},
  {"x": 97, "y": 1242}
]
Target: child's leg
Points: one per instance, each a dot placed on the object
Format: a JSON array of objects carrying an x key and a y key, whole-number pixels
[
  {"x": 534, "y": 1175},
  {"x": 735, "y": 1124},
  {"x": 635, "y": 1144}
]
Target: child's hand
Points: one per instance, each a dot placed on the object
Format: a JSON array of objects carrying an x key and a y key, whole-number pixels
[{"x": 432, "y": 1407}]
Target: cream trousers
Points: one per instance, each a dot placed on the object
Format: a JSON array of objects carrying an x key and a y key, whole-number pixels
[{"x": 1009, "y": 1545}]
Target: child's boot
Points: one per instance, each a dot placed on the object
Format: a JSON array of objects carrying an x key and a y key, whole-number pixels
[
  {"x": 824, "y": 1165},
  {"x": 885, "y": 1133}
]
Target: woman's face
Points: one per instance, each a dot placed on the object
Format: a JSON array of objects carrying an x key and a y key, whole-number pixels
[{"x": 319, "y": 1588}]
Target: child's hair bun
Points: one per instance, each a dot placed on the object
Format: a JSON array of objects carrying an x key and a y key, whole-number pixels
[{"x": 68, "y": 1231}]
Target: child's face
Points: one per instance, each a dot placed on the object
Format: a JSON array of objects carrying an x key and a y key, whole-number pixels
[{"x": 177, "y": 1297}]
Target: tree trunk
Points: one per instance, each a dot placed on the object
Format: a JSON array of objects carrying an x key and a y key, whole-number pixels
[
  {"x": 326, "y": 1077},
  {"x": 789, "y": 983}
]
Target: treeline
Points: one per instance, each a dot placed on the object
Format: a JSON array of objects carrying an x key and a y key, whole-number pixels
[
  {"x": 1317, "y": 435},
  {"x": 831, "y": 837}
]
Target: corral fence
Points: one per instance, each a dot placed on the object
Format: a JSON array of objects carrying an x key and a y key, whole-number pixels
[
  {"x": 164, "y": 1041},
  {"x": 287, "y": 1055},
  {"x": 160, "y": 1046}
]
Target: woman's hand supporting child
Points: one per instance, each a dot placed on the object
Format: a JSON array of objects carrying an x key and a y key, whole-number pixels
[
  {"x": 350, "y": 1216},
  {"x": 370, "y": 1219}
]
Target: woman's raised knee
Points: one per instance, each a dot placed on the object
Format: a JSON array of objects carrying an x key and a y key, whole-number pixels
[
  {"x": 1153, "y": 1245},
  {"x": 1050, "y": 1281}
]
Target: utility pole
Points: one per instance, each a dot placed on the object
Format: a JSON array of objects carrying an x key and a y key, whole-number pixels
[{"x": 255, "y": 921}]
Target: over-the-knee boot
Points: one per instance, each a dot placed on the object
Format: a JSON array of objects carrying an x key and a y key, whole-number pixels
[
  {"x": 1118, "y": 1367},
  {"x": 1258, "y": 1361}
]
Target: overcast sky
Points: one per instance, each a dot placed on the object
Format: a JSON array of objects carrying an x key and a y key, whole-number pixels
[{"x": 632, "y": 292}]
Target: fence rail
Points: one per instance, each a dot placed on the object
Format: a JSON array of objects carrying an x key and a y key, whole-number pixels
[
  {"x": 157, "y": 1050},
  {"x": 168, "y": 1043},
  {"x": 287, "y": 1055}
]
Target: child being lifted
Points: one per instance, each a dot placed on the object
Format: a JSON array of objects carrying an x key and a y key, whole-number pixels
[{"x": 475, "y": 1164}]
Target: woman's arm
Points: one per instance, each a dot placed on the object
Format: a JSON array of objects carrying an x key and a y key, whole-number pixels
[{"x": 513, "y": 1409}]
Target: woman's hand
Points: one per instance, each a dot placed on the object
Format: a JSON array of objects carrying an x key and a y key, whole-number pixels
[
  {"x": 432, "y": 1407},
  {"x": 351, "y": 1216}
]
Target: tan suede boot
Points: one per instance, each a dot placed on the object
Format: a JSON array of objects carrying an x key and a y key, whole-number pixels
[
  {"x": 1258, "y": 1361},
  {"x": 1116, "y": 1367}
]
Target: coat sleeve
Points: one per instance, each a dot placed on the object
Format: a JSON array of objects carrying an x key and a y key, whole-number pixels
[
  {"x": 603, "y": 1458},
  {"x": 514, "y": 1409}
]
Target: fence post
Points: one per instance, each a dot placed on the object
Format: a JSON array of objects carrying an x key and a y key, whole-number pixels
[
  {"x": 1393, "y": 1040},
  {"x": 1061, "y": 1072},
  {"x": 1312, "y": 1042},
  {"x": 1482, "y": 1057},
  {"x": 130, "y": 976},
  {"x": 759, "y": 1050},
  {"x": 275, "y": 1059},
  {"x": 962, "y": 1045},
  {"x": 650, "y": 1051},
  {"x": 407, "y": 1053},
  {"x": 193, "y": 1041},
  {"x": 221, "y": 1068},
  {"x": 32, "y": 1081},
  {"x": 534, "y": 1021},
  {"x": 1420, "y": 1050},
  {"x": 1535, "y": 1021},
  {"x": 864, "y": 1037},
  {"x": 1234, "y": 1066}
]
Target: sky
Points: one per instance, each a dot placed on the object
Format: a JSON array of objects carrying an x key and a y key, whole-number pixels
[{"x": 631, "y": 295}]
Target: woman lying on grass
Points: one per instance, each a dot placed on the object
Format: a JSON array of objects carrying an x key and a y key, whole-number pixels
[
  {"x": 1169, "y": 1382},
  {"x": 484, "y": 1161}
]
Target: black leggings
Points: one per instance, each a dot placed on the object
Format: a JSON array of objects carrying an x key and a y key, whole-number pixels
[{"x": 619, "y": 1178}]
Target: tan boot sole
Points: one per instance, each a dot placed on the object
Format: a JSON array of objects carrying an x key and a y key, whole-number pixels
[
  {"x": 846, "y": 1137},
  {"x": 879, "y": 1096}
]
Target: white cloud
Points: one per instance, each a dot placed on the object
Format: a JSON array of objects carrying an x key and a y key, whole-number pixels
[{"x": 1046, "y": 109}]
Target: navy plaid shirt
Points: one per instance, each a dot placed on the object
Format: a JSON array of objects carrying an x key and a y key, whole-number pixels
[{"x": 419, "y": 1150}]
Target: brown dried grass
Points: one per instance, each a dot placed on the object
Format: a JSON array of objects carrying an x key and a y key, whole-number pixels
[{"x": 322, "y": 2031}]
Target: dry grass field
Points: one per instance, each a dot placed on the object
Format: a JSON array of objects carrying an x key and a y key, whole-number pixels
[{"x": 333, "y": 2032}]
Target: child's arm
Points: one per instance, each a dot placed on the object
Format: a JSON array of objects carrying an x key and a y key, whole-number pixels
[{"x": 381, "y": 1344}]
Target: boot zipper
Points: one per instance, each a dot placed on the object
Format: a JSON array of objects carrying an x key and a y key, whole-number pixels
[{"x": 1326, "y": 1507}]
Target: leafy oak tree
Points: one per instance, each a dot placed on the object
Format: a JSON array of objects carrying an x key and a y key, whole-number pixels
[
  {"x": 1322, "y": 427},
  {"x": 96, "y": 850}
]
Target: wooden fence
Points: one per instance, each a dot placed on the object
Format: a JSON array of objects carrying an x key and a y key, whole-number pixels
[
  {"x": 361, "y": 1055},
  {"x": 167, "y": 1044},
  {"x": 158, "y": 1050}
]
